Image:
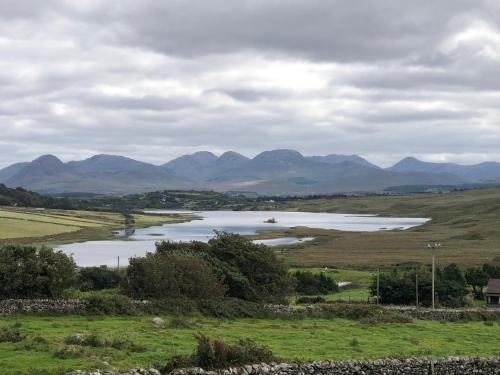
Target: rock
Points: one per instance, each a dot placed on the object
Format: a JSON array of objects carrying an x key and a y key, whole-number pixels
[{"x": 159, "y": 322}]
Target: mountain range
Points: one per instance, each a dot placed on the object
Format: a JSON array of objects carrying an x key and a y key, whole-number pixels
[{"x": 276, "y": 172}]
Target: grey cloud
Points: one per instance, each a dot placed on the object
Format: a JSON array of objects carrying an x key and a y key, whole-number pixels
[{"x": 153, "y": 80}]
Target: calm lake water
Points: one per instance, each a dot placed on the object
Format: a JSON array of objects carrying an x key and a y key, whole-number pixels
[{"x": 94, "y": 253}]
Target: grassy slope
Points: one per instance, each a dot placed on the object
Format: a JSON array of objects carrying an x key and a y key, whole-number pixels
[
  {"x": 22, "y": 225},
  {"x": 307, "y": 339},
  {"x": 466, "y": 223}
]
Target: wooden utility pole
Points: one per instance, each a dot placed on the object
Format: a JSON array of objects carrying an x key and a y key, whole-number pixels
[
  {"x": 433, "y": 277},
  {"x": 378, "y": 285},
  {"x": 433, "y": 248},
  {"x": 416, "y": 289}
]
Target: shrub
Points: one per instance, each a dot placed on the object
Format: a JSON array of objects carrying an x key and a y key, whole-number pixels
[
  {"x": 364, "y": 313},
  {"x": 251, "y": 272},
  {"x": 310, "y": 300},
  {"x": 309, "y": 283},
  {"x": 221, "y": 308},
  {"x": 97, "y": 342},
  {"x": 179, "y": 323},
  {"x": 218, "y": 354},
  {"x": 398, "y": 286},
  {"x": 70, "y": 351},
  {"x": 161, "y": 276},
  {"x": 98, "y": 278},
  {"x": 110, "y": 305},
  {"x": 29, "y": 272},
  {"x": 11, "y": 334}
]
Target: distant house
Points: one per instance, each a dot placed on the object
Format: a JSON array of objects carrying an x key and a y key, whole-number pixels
[{"x": 493, "y": 292}]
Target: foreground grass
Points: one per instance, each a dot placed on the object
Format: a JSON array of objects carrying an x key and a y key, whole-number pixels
[
  {"x": 307, "y": 339},
  {"x": 466, "y": 223},
  {"x": 32, "y": 226}
]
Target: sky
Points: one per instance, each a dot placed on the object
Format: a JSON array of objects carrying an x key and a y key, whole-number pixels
[{"x": 153, "y": 80}]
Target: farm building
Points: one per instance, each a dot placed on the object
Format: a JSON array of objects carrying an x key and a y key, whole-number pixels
[{"x": 493, "y": 292}]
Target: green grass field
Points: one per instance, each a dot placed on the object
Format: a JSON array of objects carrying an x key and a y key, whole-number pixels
[
  {"x": 31, "y": 226},
  {"x": 465, "y": 223},
  {"x": 306, "y": 339}
]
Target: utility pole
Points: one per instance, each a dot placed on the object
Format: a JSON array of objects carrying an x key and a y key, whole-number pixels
[
  {"x": 378, "y": 285},
  {"x": 433, "y": 278},
  {"x": 433, "y": 248},
  {"x": 118, "y": 263},
  {"x": 416, "y": 289}
]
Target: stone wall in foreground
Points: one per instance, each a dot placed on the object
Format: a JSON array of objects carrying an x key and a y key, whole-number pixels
[{"x": 412, "y": 366}]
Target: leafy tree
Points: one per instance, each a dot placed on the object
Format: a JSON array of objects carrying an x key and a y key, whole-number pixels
[
  {"x": 311, "y": 284},
  {"x": 452, "y": 287},
  {"x": 492, "y": 270},
  {"x": 251, "y": 272},
  {"x": 476, "y": 278},
  {"x": 169, "y": 276},
  {"x": 98, "y": 278},
  {"x": 28, "y": 272},
  {"x": 398, "y": 286}
]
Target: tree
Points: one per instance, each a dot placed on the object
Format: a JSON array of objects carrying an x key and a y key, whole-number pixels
[
  {"x": 478, "y": 279},
  {"x": 398, "y": 286},
  {"x": 492, "y": 270},
  {"x": 452, "y": 287},
  {"x": 311, "y": 284},
  {"x": 251, "y": 272},
  {"x": 170, "y": 276},
  {"x": 29, "y": 272},
  {"x": 98, "y": 278}
]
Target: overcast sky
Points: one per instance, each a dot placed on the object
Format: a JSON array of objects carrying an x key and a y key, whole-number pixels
[{"x": 156, "y": 79}]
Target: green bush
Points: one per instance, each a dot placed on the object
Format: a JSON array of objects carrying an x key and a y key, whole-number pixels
[
  {"x": 311, "y": 284},
  {"x": 218, "y": 354},
  {"x": 11, "y": 334},
  {"x": 251, "y": 272},
  {"x": 161, "y": 276},
  {"x": 398, "y": 286},
  {"x": 98, "y": 278},
  {"x": 95, "y": 341},
  {"x": 111, "y": 305},
  {"x": 364, "y": 313},
  {"x": 30, "y": 272},
  {"x": 178, "y": 323},
  {"x": 310, "y": 300}
]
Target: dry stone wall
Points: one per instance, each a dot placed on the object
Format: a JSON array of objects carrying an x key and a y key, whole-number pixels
[
  {"x": 411, "y": 312},
  {"x": 412, "y": 366}
]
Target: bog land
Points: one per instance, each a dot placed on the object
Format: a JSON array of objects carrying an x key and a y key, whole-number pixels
[{"x": 465, "y": 223}]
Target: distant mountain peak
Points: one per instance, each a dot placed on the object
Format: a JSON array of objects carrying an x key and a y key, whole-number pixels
[
  {"x": 279, "y": 154},
  {"x": 44, "y": 159},
  {"x": 231, "y": 156}
]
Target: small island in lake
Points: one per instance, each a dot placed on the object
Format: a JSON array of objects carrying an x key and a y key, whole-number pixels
[{"x": 271, "y": 221}]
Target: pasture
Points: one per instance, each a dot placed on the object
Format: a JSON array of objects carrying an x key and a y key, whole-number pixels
[
  {"x": 36, "y": 226},
  {"x": 45, "y": 339}
]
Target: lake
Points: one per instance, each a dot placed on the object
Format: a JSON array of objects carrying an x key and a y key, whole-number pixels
[{"x": 94, "y": 253}]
